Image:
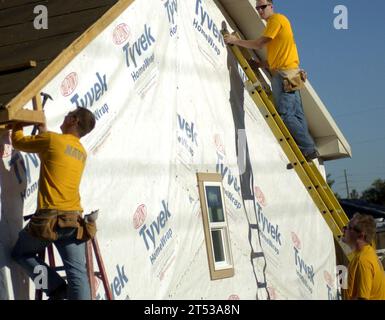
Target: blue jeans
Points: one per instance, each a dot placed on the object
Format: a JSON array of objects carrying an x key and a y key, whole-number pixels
[
  {"x": 72, "y": 252},
  {"x": 289, "y": 107}
]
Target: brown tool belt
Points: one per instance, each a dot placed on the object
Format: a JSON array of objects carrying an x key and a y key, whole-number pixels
[
  {"x": 45, "y": 222},
  {"x": 293, "y": 79}
]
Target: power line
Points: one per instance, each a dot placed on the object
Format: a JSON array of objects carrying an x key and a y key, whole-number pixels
[{"x": 347, "y": 185}]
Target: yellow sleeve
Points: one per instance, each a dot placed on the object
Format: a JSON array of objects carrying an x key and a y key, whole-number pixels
[
  {"x": 34, "y": 144},
  {"x": 364, "y": 279},
  {"x": 272, "y": 28}
]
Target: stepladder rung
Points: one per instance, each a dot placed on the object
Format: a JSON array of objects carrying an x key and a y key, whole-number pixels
[{"x": 308, "y": 172}]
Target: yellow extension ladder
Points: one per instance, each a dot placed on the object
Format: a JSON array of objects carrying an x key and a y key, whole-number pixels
[{"x": 308, "y": 172}]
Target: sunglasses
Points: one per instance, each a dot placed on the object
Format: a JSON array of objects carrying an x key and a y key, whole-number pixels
[{"x": 262, "y": 7}]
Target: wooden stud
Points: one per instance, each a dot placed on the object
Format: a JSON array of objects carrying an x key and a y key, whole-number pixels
[
  {"x": 18, "y": 67},
  {"x": 36, "y": 103}
]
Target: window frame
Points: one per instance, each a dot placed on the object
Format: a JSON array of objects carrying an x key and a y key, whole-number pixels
[{"x": 220, "y": 269}]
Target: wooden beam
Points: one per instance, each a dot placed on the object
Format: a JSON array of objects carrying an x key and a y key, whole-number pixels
[
  {"x": 26, "y": 116},
  {"x": 67, "y": 55},
  {"x": 18, "y": 67},
  {"x": 29, "y": 116}
]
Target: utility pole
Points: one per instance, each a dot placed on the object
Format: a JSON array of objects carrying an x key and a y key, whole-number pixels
[{"x": 347, "y": 185}]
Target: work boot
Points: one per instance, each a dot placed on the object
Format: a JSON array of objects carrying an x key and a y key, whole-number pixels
[
  {"x": 308, "y": 157},
  {"x": 311, "y": 156}
]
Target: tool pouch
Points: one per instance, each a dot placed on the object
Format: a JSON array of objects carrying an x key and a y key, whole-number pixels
[
  {"x": 44, "y": 223},
  {"x": 86, "y": 230},
  {"x": 43, "y": 226},
  {"x": 293, "y": 79}
]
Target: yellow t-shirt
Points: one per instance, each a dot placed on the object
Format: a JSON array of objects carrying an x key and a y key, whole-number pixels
[
  {"x": 282, "y": 51},
  {"x": 366, "y": 277},
  {"x": 62, "y": 163}
]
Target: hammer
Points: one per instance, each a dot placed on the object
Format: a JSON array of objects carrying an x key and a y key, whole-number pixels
[{"x": 45, "y": 96}]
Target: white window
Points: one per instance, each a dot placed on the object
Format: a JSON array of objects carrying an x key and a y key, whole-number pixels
[{"x": 215, "y": 225}]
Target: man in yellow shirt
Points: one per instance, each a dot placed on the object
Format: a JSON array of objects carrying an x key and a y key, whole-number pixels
[
  {"x": 57, "y": 218},
  {"x": 366, "y": 277},
  {"x": 283, "y": 62}
]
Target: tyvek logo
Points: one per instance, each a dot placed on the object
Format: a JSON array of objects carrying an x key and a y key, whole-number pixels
[
  {"x": 117, "y": 284},
  {"x": 121, "y": 33},
  {"x": 219, "y": 144},
  {"x": 156, "y": 226},
  {"x": 141, "y": 45},
  {"x": 330, "y": 285},
  {"x": 133, "y": 53},
  {"x": 139, "y": 216},
  {"x": 171, "y": 8},
  {"x": 69, "y": 84},
  {"x": 329, "y": 279},
  {"x": 97, "y": 90},
  {"x": 156, "y": 234},
  {"x": 260, "y": 196},
  {"x": 205, "y": 25},
  {"x": 232, "y": 181},
  {"x": 188, "y": 129},
  {"x": 305, "y": 271},
  {"x": 270, "y": 232},
  {"x": 296, "y": 240}
]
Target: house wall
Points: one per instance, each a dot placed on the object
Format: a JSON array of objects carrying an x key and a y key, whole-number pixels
[{"x": 169, "y": 101}]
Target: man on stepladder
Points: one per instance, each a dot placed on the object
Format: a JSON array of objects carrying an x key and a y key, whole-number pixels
[
  {"x": 287, "y": 78},
  {"x": 58, "y": 216}
]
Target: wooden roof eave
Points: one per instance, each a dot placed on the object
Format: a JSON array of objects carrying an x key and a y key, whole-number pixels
[{"x": 36, "y": 85}]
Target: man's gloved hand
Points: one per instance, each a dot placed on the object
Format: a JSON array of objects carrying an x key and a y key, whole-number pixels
[{"x": 230, "y": 38}]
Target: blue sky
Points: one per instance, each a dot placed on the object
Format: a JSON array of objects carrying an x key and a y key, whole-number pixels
[{"x": 347, "y": 69}]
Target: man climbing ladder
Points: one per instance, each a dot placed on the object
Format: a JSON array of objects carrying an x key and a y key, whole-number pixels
[
  {"x": 287, "y": 79},
  {"x": 58, "y": 216},
  {"x": 307, "y": 171}
]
